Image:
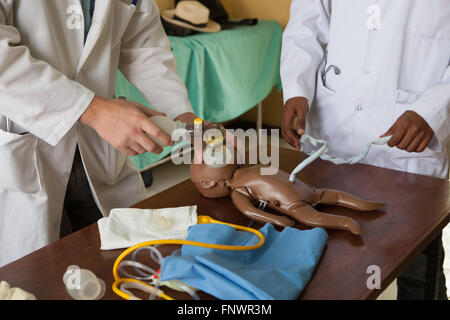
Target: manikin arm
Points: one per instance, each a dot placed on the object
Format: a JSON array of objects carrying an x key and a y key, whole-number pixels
[{"x": 246, "y": 207}]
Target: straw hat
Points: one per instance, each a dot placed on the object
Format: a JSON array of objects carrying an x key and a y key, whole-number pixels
[{"x": 191, "y": 15}]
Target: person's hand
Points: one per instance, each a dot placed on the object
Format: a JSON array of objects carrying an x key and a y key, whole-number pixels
[
  {"x": 125, "y": 125},
  {"x": 295, "y": 109},
  {"x": 410, "y": 132}
]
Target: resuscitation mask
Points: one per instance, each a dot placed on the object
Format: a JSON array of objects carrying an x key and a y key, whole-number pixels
[
  {"x": 83, "y": 284},
  {"x": 215, "y": 152},
  {"x": 322, "y": 153},
  {"x": 211, "y": 137}
]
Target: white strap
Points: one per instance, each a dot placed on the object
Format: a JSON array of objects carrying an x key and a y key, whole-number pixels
[{"x": 322, "y": 153}]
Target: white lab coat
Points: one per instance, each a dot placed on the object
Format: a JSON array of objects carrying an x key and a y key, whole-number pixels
[
  {"x": 401, "y": 64},
  {"x": 48, "y": 77}
]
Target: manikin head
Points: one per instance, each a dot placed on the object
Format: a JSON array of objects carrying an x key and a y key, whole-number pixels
[{"x": 212, "y": 182}]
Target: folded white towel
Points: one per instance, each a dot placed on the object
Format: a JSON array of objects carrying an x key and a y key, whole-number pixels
[
  {"x": 127, "y": 227},
  {"x": 8, "y": 293}
]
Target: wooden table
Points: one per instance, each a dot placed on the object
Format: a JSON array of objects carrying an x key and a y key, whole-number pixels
[{"x": 416, "y": 212}]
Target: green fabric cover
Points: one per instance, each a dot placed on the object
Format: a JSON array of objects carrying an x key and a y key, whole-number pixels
[{"x": 226, "y": 73}]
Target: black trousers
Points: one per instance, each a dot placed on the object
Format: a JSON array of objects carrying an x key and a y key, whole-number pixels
[
  {"x": 80, "y": 209},
  {"x": 411, "y": 282}
]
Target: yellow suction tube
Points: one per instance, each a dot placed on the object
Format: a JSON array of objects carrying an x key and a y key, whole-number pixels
[{"x": 200, "y": 220}]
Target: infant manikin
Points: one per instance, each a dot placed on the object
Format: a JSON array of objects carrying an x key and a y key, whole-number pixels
[{"x": 251, "y": 192}]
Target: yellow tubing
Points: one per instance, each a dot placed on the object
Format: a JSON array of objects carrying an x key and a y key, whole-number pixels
[{"x": 200, "y": 220}]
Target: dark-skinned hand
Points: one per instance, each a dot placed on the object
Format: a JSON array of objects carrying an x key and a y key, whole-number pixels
[
  {"x": 295, "y": 109},
  {"x": 410, "y": 132}
]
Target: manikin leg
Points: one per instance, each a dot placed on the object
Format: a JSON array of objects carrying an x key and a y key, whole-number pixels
[
  {"x": 313, "y": 218},
  {"x": 342, "y": 199},
  {"x": 246, "y": 207}
]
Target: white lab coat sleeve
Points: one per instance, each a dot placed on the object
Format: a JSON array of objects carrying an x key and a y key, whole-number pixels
[
  {"x": 147, "y": 62},
  {"x": 304, "y": 40},
  {"x": 434, "y": 107},
  {"x": 33, "y": 94}
]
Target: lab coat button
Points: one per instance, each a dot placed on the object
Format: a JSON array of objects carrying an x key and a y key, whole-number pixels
[
  {"x": 366, "y": 71},
  {"x": 359, "y": 107}
]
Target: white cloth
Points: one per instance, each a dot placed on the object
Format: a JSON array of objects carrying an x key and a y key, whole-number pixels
[
  {"x": 8, "y": 293},
  {"x": 127, "y": 227},
  {"x": 48, "y": 79},
  {"x": 400, "y": 63}
]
